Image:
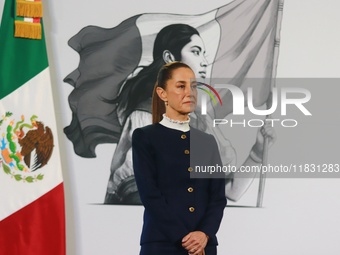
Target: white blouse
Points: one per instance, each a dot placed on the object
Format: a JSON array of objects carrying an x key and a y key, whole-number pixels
[{"x": 175, "y": 124}]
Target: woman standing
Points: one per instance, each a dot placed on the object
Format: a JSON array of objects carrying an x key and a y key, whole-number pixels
[
  {"x": 177, "y": 42},
  {"x": 182, "y": 214}
]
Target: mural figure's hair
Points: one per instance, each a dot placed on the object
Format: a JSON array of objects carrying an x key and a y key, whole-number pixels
[{"x": 140, "y": 88}]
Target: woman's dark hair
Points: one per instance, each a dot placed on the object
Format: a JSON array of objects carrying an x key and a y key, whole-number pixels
[
  {"x": 164, "y": 74},
  {"x": 140, "y": 88}
]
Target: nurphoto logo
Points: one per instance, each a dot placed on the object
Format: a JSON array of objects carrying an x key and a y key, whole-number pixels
[{"x": 284, "y": 96}]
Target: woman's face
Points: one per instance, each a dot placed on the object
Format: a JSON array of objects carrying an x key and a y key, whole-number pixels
[
  {"x": 193, "y": 54},
  {"x": 180, "y": 92}
]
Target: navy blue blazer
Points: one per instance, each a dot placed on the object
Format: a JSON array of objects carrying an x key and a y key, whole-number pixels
[{"x": 176, "y": 204}]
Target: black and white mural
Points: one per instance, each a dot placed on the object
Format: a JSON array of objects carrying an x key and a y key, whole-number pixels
[{"x": 118, "y": 67}]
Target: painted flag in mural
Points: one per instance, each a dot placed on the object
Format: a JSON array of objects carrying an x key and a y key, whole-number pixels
[
  {"x": 241, "y": 40},
  {"x": 32, "y": 218}
]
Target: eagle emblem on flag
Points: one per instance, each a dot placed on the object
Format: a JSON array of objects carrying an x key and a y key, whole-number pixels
[{"x": 26, "y": 147}]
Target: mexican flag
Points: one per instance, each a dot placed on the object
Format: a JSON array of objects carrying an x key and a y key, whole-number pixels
[{"x": 32, "y": 218}]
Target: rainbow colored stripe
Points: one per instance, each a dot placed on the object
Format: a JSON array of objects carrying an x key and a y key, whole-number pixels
[{"x": 212, "y": 92}]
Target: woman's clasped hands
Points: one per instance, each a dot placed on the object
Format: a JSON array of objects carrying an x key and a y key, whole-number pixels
[{"x": 195, "y": 242}]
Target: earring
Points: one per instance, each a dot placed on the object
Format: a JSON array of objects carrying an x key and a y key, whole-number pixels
[{"x": 166, "y": 103}]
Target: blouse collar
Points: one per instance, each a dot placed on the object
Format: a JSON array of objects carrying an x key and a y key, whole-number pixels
[{"x": 175, "y": 124}]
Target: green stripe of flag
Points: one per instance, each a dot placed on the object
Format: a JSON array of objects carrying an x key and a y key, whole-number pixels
[{"x": 20, "y": 59}]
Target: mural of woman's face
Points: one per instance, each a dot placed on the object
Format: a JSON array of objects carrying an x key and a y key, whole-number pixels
[{"x": 193, "y": 54}]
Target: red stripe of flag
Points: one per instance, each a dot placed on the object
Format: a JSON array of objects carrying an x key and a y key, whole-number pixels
[{"x": 36, "y": 228}]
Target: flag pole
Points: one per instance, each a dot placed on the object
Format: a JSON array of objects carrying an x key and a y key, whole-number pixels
[{"x": 268, "y": 103}]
